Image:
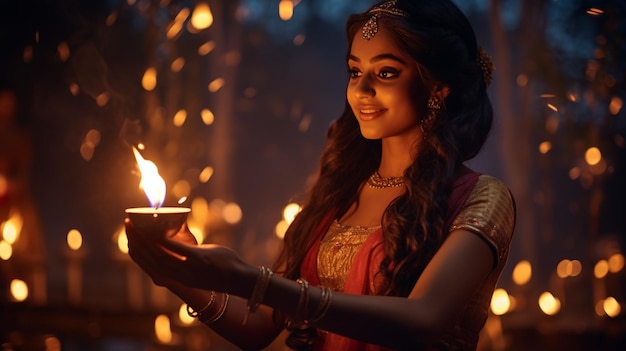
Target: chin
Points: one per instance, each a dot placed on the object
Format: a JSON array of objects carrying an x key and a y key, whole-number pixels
[{"x": 370, "y": 135}]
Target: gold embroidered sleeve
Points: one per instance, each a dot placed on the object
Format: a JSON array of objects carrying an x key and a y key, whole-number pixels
[{"x": 489, "y": 212}]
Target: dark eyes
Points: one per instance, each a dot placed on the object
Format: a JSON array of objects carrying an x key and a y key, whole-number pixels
[{"x": 386, "y": 73}]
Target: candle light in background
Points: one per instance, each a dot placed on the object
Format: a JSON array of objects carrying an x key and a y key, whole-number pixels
[{"x": 75, "y": 257}]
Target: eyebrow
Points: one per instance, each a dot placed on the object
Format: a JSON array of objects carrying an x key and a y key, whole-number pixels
[{"x": 378, "y": 58}]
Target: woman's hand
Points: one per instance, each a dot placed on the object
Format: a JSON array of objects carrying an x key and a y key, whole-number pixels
[{"x": 175, "y": 260}]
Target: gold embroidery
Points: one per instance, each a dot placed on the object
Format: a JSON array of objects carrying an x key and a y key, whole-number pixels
[
  {"x": 489, "y": 212},
  {"x": 337, "y": 251}
]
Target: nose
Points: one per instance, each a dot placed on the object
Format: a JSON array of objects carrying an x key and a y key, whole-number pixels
[{"x": 364, "y": 87}]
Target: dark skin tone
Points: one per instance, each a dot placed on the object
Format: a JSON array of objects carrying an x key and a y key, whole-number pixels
[{"x": 383, "y": 102}]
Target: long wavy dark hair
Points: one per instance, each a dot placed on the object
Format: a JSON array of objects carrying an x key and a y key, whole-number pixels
[{"x": 442, "y": 42}]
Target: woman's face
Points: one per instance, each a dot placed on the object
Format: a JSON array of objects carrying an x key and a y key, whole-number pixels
[{"x": 385, "y": 88}]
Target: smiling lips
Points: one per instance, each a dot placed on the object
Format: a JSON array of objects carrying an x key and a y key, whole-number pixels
[{"x": 369, "y": 113}]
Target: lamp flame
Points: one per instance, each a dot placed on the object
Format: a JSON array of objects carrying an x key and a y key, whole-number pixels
[{"x": 151, "y": 182}]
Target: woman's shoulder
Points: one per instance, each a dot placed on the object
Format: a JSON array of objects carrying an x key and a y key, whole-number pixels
[{"x": 489, "y": 211}]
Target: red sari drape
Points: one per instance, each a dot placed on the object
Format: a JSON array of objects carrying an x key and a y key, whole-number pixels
[{"x": 361, "y": 277}]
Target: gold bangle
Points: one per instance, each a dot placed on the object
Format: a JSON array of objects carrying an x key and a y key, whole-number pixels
[
  {"x": 219, "y": 313},
  {"x": 303, "y": 301},
  {"x": 258, "y": 293},
  {"x": 192, "y": 313},
  {"x": 324, "y": 305}
]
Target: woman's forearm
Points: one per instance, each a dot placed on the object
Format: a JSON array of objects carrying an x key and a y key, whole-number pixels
[
  {"x": 260, "y": 328},
  {"x": 392, "y": 321}
]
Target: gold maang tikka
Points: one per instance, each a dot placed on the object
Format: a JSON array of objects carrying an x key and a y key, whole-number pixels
[{"x": 370, "y": 28}]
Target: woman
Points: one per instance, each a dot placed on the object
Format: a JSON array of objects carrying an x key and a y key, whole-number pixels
[{"x": 399, "y": 245}]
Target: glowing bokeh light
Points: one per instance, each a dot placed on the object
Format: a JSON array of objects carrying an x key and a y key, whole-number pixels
[
  {"x": 500, "y": 302},
  {"x": 149, "y": 80},
  {"x": 183, "y": 316},
  {"x": 162, "y": 329},
  {"x": 281, "y": 229},
  {"x": 232, "y": 213},
  {"x": 522, "y": 273},
  {"x": 549, "y": 304},
  {"x": 206, "y": 174},
  {"x": 615, "y": 106},
  {"x": 616, "y": 263},
  {"x": 601, "y": 269},
  {"x": 207, "y": 116},
  {"x": 19, "y": 290},
  {"x": 178, "y": 64},
  {"x": 6, "y": 250},
  {"x": 179, "y": 118},
  {"x": 122, "y": 241},
  {"x": 201, "y": 18},
  {"x": 52, "y": 343},
  {"x": 74, "y": 239},
  {"x": 216, "y": 84},
  {"x": 290, "y": 211},
  {"x": 206, "y": 48},
  {"x": 593, "y": 156},
  {"x": 545, "y": 147},
  {"x": 611, "y": 307},
  {"x": 285, "y": 9}
]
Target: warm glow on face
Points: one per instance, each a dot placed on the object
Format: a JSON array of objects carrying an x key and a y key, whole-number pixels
[
  {"x": 202, "y": 17},
  {"x": 149, "y": 79},
  {"x": 151, "y": 182},
  {"x": 19, "y": 290},
  {"x": 162, "y": 329},
  {"x": 500, "y": 302},
  {"x": 74, "y": 239},
  {"x": 549, "y": 304},
  {"x": 184, "y": 317},
  {"x": 522, "y": 272},
  {"x": 285, "y": 9}
]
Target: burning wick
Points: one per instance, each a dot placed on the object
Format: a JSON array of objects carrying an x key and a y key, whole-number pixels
[{"x": 151, "y": 182}]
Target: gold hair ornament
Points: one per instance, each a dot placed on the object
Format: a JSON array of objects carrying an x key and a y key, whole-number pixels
[
  {"x": 370, "y": 28},
  {"x": 486, "y": 65}
]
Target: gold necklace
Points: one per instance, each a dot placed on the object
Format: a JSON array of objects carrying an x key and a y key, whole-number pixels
[{"x": 377, "y": 182}]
